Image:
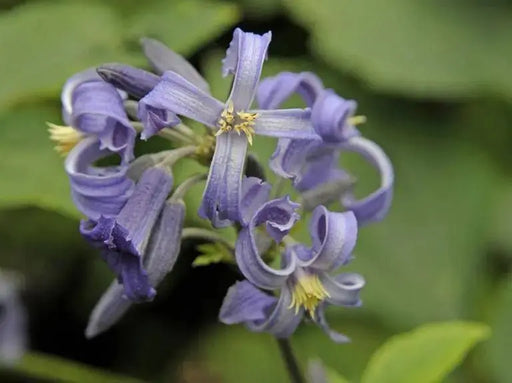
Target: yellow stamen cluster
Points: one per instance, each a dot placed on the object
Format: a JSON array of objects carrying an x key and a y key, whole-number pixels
[
  {"x": 308, "y": 292},
  {"x": 240, "y": 122},
  {"x": 357, "y": 120},
  {"x": 65, "y": 137}
]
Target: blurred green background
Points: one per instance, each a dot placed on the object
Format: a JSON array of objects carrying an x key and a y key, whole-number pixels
[{"x": 433, "y": 79}]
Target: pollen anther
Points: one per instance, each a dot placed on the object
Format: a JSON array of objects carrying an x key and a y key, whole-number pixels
[
  {"x": 240, "y": 122},
  {"x": 308, "y": 292},
  {"x": 65, "y": 137}
]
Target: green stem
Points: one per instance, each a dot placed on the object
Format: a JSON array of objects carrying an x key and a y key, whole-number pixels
[
  {"x": 205, "y": 234},
  {"x": 290, "y": 361},
  {"x": 185, "y": 186}
]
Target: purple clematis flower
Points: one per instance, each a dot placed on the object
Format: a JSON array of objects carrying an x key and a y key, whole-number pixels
[
  {"x": 158, "y": 259},
  {"x": 13, "y": 322},
  {"x": 234, "y": 122},
  {"x": 304, "y": 279},
  {"x": 92, "y": 107},
  {"x": 124, "y": 238},
  {"x": 314, "y": 163}
]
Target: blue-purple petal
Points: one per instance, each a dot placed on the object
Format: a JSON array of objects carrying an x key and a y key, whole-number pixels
[
  {"x": 244, "y": 58},
  {"x": 343, "y": 288},
  {"x": 108, "y": 311},
  {"x": 282, "y": 320},
  {"x": 136, "y": 82},
  {"x": 245, "y": 303},
  {"x": 180, "y": 97},
  {"x": 334, "y": 237},
  {"x": 321, "y": 321},
  {"x": 221, "y": 197},
  {"x": 330, "y": 114},
  {"x": 163, "y": 59},
  {"x": 375, "y": 206},
  {"x": 97, "y": 109},
  {"x": 255, "y": 193},
  {"x": 278, "y": 217},
  {"x": 96, "y": 191},
  {"x": 69, "y": 87},
  {"x": 273, "y": 91},
  {"x": 285, "y": 123},
  {"x": 159, "y": 259}
]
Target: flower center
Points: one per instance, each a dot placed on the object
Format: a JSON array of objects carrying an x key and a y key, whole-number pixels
[
  {"x": 239, "y": 121},
  {"x": 308, "y": 292},
  {"x": 65, "y": 137}
]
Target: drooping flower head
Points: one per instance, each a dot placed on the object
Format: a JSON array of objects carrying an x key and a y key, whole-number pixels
[
  {"x": 314, "y": 163},
  {"x": 304, "y": 280},
  {"x": 92, "y": 107}
]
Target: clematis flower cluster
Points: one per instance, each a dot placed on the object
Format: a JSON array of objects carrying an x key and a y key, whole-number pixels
[{"x": 134, "y": 211}]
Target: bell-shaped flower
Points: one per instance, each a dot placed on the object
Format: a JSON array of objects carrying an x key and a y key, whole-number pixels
[
  {"x": 92, "y": 107},
  {"x": 159, "y": 258},
  {"x": 233, "y": 122},
  {"x": 304, "y": 279},
  {"x": 124, "y": 238},
  {"x": 13, "y": 321},
  {"x": 313, "y": 164}
]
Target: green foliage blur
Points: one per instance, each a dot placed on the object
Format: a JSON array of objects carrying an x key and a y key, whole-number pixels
[{"x": 433, "y": 79}]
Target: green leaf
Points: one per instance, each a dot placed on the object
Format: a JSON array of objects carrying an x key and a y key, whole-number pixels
[
  {"x": 184, "y": 25},
  {"x": 420, "y": 48},
  {"x": 56, "y": 369},
  {"x": 212, "y": 253},
  {"x": 334, "y": 377},
  {"x": 33, "y": 173},
  {"x": 424, "y": 355},
  {"x": 497, "y": 350},
  {"x": 43, "y": 43}
]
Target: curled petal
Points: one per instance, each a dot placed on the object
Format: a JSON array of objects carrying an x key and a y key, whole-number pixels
[
  {"x": 244, "y": 58},
  {"x": 221, "y": 197},
  {"x": 343, "y": 288},
  {"x": 330, "y": 115},
  {"x": 163, "y": 59},
  {"x": 181, "y": 97},
  {"x": 288, "y": 159},
  {"x": 245, "y": 303},
  {"x": 155, "y": 119},
  {"x": 324, "y": 325},
  {"x": 334, "y": 237},
  {"x": 375, "y": 206},
  {"x": 96, "y": 191},
  {"x": 66, "y": 95},
  {"x": 279, "y": 217},
  {"x": 136, "y": 82},
  {"x": 98, "y": 110},
  {"x": 13, "y": 322},
  {"x": 285, "y": 123},
  {"x": 273, "y": 91},
  {"x": 282, "y": 320},
  {"x": 108, "y": 311},
  {"x": 255, "y": 193},
  {"x": 254, "y": 268}
]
